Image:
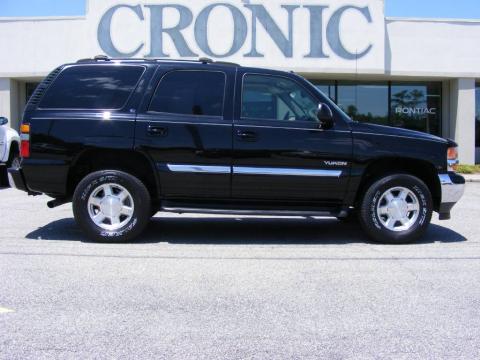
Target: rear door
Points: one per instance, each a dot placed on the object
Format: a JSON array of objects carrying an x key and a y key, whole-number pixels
[
  {"x": 281, "y": 153},
  {"x": 185, "y": 126}
]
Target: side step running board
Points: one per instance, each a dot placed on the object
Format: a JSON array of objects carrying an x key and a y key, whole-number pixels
[{"x": 182, "y": 210}]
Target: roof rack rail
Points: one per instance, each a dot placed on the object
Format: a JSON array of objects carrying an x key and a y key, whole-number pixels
[
  {"x": 205, "y": 60},
  {"x": 95, "y": 58},
  {"x": 101, "y": 57},
  {"x": 226, "y": 63}
]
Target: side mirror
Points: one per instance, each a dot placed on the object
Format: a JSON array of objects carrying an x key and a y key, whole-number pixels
[
  {"x": 3, "y": 120},
  {"x": 325, "y": 116}
]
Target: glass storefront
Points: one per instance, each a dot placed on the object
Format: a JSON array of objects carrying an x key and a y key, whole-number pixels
[
  {"x": 364, "y": 102},
  {"x": 329, "y": 88},
  {"x": 477, "y": 115},
  {"x": 477, "y": 123},
  {"x": 416, "y": 106}
]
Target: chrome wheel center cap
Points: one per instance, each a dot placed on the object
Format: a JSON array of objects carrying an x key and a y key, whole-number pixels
[
  {"x": 398, "y": 209},
  {"x": 111, "y": 206}
]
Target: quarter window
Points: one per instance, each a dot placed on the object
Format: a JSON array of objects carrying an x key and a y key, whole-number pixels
[
  {"x": 92, "y": 87},
  {"x": 276, "y": 98},
  {"x": 190, "y": 93}
]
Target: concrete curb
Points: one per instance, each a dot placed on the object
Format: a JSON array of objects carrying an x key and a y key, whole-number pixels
[{"x": 472, "y": 178}]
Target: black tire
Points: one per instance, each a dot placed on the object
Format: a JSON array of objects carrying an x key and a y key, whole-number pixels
[
  {"x": 371, "y": 221},
  {"x": 14, "y": 157},
  {"x": 141, "y": 200}
]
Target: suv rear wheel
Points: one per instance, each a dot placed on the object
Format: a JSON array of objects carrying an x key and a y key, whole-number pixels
[
  {"x": 111, "y": 206},
  {"x": 396, "y": 209}
]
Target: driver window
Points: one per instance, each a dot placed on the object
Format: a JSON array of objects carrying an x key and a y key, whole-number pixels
[{"x": 276, "y": 98}]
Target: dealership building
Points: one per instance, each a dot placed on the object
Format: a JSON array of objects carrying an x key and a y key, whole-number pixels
[{"x": 420, "y": 74}]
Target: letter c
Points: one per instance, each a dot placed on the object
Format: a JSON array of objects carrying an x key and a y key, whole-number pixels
[
  {"x": 239, "y": 30},
  {"x": 104, "y": 35},
  {"x": 333, "y": 33}
]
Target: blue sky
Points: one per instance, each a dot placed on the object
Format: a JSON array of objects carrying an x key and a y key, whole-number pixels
[
  {"x": 42, "y": 7},
  {"x": 463, "y": 9},
  {"x": 458, "y": 9}
]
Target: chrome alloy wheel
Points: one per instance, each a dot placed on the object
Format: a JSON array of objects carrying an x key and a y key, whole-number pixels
[
  {"x": 110, "y": 206},
  {"x": 398, "y": 209}
]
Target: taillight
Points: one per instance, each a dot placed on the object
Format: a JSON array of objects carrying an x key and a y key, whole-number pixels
[
  {"x": 452, "y": 158},
  {"x": 25, "y": 140}
]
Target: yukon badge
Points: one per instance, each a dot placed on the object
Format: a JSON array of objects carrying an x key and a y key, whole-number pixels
[{"x": 335, "y": 163}]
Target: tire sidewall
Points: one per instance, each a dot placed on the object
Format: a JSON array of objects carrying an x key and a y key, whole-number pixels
[
  {"x": 140, "y": 197},
  {"x": 373, "y": 196}
]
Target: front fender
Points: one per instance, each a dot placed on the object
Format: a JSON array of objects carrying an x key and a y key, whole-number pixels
[{"x": 11, "y": 136}]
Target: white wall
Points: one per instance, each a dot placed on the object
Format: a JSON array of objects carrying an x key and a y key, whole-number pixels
[
  {"x": 433, "y": 48},
  {"x": 462, "y": 118},
  {"x": 8, "y": 100},
  {"x": 36, "y": 46}
]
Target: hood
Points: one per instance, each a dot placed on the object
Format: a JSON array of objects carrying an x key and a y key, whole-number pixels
[{"x": 394, "y": 131}]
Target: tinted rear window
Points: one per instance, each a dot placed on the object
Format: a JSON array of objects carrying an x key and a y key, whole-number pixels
[
  {"x": 92, "y": 87},
  {"x": 190, "y": 93}
]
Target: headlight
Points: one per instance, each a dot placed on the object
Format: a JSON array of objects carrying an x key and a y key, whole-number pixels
[{"x": 452, "y": 158}]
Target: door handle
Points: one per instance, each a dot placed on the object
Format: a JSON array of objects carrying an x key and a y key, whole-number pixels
[
  {"x": 157, "y": 130},
  {"x": 246, "y": 135}
]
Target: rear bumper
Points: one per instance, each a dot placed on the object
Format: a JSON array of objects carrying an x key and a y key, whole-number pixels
[
  {"x": 16, "y": 179},
  {"x": 453, "y": 188}
]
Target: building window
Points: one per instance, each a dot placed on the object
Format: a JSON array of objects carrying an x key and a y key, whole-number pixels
[
  {"x": 329, "y": 88},
  {"x": 477, "y": 115},
  {"x": 366, "y": 102},
  {"x": 417, "y": 106},
  {"x": 411, "y": 105},
  {"x": 29, "y": 90}
]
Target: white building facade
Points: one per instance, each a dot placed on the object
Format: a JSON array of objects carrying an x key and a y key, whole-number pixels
[{"x": 413, "y": 73}]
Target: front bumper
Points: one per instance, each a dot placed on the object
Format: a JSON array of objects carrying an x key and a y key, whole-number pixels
[
  {"x": 16, "y": 179},
  {"x": 453, "y": 188}
]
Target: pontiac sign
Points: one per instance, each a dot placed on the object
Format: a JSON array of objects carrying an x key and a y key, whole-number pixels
[{"x": 310, "y": 30}]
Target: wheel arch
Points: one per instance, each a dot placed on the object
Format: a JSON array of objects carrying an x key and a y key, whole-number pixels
[
  {"x": 382, "y": 167},
  {"x": 13, "y": 149},
  {"x": 14, "y": 146},
  {"x": 133, "y": 162}
]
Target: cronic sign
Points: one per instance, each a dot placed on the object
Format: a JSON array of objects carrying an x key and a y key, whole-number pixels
[{"x": 324, "y": 22}]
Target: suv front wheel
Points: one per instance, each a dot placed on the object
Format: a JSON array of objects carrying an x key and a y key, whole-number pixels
[
  {"x": 396, "y": 209},
  {"x": 111, "y": 206}
]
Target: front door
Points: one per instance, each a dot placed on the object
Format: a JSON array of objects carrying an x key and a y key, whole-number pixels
[
  {"x": 186, "y": 128},
  {"x": 281, "y": 153}
]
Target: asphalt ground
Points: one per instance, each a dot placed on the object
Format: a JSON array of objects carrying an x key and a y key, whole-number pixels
[{"x": 218, "y": 287}]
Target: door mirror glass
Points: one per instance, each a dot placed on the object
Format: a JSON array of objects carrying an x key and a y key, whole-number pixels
[
  {"x": 325, "y": 116},
  {"x": 3, "y": 120}
]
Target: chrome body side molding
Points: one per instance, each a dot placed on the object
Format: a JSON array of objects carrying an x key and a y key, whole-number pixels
[
  {"x": 201, "y": 169},
  {"x": 247, "y": 170}
]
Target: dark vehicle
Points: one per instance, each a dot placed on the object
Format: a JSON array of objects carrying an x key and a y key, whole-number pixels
[{"x": 123, "y": 139}]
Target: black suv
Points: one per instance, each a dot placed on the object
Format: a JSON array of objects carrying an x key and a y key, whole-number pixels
[{"x": 125, "y": 138}]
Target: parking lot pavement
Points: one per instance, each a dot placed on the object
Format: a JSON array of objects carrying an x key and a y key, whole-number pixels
[{"x": 236, "y": 287}]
